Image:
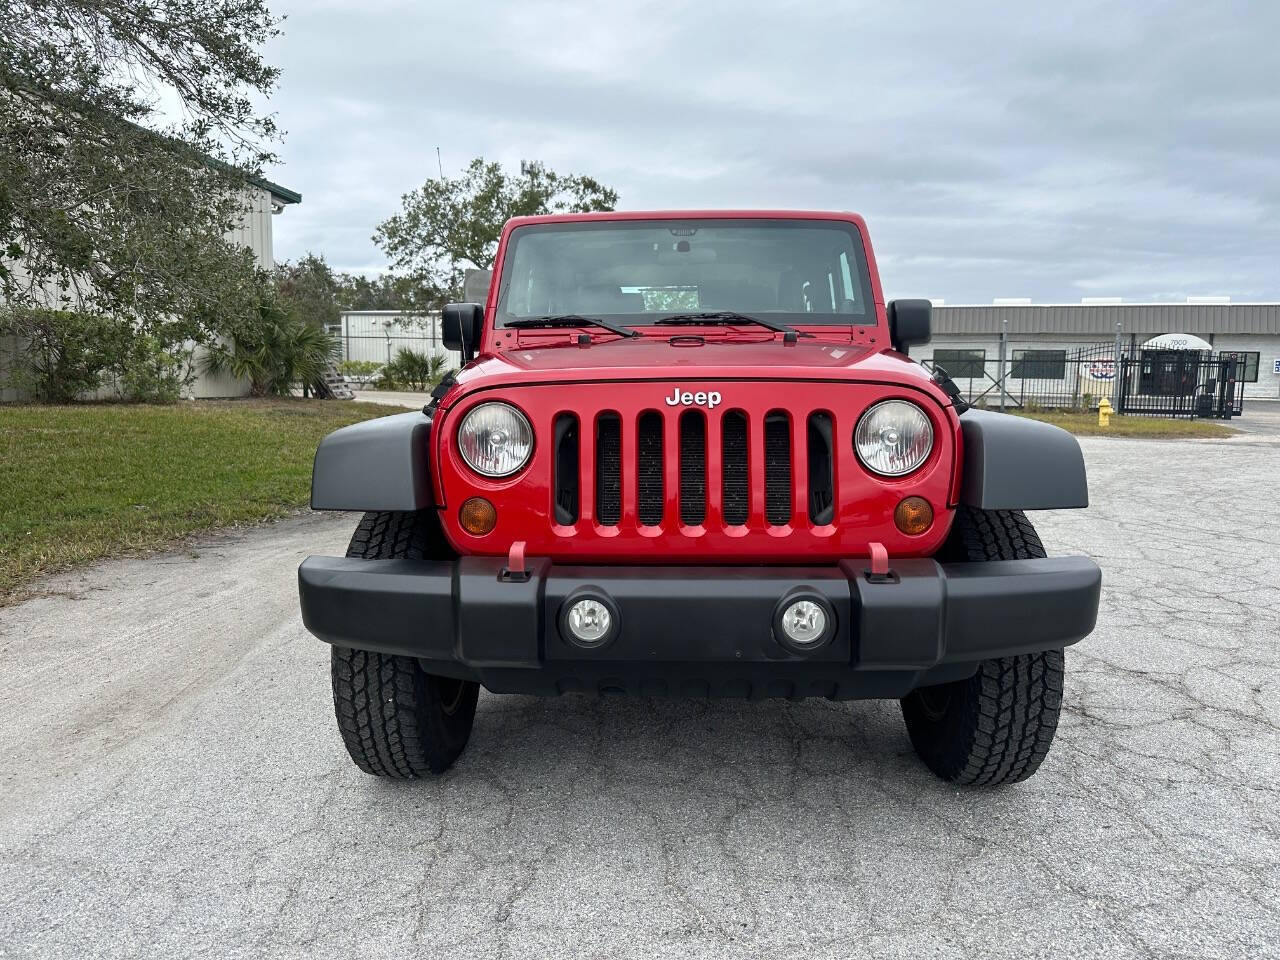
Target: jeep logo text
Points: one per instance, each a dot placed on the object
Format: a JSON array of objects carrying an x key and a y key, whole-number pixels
[{"x": 700, "y": 399}]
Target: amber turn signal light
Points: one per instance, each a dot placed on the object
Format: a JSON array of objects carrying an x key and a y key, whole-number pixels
[
  {"x": 913, "y": 515},
  {"x": 478, "y": 516}
]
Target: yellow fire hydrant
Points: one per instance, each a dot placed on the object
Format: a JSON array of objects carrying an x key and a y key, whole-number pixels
[{"x": 1104, "y": 412}]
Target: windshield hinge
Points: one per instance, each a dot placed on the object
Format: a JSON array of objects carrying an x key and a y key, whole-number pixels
[
  {"x": 943, "y": 379},
  {"x": 437, "y": 394}
]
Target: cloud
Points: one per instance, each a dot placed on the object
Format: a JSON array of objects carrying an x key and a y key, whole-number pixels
[{"x": 1010, "y": 149}]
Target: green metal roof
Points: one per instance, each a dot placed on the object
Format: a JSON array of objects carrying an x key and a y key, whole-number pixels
[{"x": 282, "y": 194}]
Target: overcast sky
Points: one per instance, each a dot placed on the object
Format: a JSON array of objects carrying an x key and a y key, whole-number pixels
[{"x": 1045, "y": 150}]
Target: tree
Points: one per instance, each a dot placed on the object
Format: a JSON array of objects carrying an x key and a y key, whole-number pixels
[
  {"x": 104, "y": 206},
  {"x": 313, "y": 287},
  {"x": 274, "y": 349},
  {"x": 385, "y": 291},
  {"x": 450, "y": 223}
]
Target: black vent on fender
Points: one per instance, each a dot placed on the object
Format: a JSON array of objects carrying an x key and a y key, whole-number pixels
[
  {"x": 821, "y": 472},
  {"x": 608, "y": 470},
  {"x": 565, "y": 481},
  {"x": 649, "y": 469},
  {"x": 777, "y": 468},
  {"x": 735, "y": 493},
  {"x": 693, "y": 469}
]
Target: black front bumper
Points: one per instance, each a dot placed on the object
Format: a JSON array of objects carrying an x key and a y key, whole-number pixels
[{"x": 701, "y": 631}]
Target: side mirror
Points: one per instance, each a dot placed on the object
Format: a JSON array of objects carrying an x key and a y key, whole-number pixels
[
  {"x": 460, "y": 328},
  {"x": 910, "y": 323}
]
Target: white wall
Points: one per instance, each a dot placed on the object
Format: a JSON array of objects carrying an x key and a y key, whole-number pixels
[
  {"x": 253, "y": 232},
  {"x": 373, "y": 335},
  {"x": 1268, "y": 348}
]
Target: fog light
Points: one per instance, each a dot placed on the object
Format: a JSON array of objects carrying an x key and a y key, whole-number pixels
[
  {"x": 589, "y": 621},
  {"x": 478, "y": 516},
  {"x": 803, "y": 621},
  {"x": 913, "y": 516}
]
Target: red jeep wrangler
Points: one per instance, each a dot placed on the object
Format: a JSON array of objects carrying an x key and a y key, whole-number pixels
[{"x": 687, "y": 454}]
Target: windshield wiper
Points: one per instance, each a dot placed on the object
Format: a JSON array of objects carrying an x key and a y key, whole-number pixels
[
  {"x": 727, "y": 317},
  {"x": 572, "y": 320}
]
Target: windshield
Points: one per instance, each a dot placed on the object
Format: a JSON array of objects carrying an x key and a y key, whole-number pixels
[{"x": 639, "y": 271}]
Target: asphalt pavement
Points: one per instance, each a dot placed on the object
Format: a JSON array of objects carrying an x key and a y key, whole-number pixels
[{"x": 172, "y": 783}]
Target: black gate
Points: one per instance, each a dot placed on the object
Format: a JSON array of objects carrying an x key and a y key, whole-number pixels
[{"x": 1180, "y": 383}]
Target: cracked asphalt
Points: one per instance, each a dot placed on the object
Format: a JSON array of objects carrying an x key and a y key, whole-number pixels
[{"x": 172, "y": 784}]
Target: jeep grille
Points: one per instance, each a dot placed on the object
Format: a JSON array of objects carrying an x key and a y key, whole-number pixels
[{"x": 695, "y": 490}]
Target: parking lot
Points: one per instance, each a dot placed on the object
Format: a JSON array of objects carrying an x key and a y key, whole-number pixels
[{"x": 173, "y": 783}]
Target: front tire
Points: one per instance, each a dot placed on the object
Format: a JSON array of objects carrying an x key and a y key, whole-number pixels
[
  {"x": 397, "y": 720},
  {"x": 995, "y": 727}
]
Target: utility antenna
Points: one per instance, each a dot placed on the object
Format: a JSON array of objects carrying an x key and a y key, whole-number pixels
[{"x": 439, "y": 163}]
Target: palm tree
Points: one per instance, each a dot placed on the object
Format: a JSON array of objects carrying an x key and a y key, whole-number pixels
[{"x": 280, "y": 350}]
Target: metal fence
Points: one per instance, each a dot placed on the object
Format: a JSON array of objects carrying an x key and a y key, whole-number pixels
[
  {"x": 1030, "y": 378},
  {"x": 370, "y": 340},
  {"x": 371, "y": 348},
  {"x": 1162, "y": 383},
  {"x": 1181, "y": 383}
]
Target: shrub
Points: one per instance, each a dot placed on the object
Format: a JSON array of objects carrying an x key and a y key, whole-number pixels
[
  {"x": 359, "y": 369},
  {"x": 149, "y": 373},
  {"x": 275, "y": 350},
  {"x": 62, "y": 355},
  {"x": 412, "y": 370}
]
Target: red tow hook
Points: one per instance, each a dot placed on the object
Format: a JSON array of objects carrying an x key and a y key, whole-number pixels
[
  {"x": 879, "y": 571},
  {"x": 515, "y": 570}
]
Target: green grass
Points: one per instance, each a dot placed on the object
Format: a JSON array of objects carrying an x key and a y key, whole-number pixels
[
  {"x": 80, "y": 483},
  {"x": 1086, "y": 425}
]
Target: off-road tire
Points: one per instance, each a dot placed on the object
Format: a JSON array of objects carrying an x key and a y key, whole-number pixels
[
  {"x": 397, "y": 720},
  {"x": 997, "y": 726}
]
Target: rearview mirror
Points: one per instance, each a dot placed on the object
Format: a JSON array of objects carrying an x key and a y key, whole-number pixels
[
  {"x": 910, "y": 323},
  {"x": 460, "y": 328}
]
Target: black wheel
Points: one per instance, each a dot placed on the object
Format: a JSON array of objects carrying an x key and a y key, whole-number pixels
[
  {"x": 996, "y": 726},
  {"x": 397, "y": 720}
]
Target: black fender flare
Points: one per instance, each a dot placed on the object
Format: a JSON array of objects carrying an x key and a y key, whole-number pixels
[
  {"x": 1013, "y": 463},
  {"x": 380, "y": 464}
]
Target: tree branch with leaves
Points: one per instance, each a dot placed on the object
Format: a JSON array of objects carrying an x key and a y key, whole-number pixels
[
  {"x": 106, "y": 204},
  {"x": 448, "y": 224}
]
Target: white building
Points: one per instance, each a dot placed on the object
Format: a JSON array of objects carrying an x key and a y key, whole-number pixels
[
  {"x": 966, "y": 338},
  {"x": 264, "y": 201}
]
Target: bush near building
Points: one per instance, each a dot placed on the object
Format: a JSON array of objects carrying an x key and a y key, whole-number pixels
[
  {"x": 65, "y": 356},
  {"x": 411, "y": 370},
  {"x": 61, "y": 356}
]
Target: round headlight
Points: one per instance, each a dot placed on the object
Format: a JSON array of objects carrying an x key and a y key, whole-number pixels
[
  {"x": 893, "y": 438},
  {"x": 495, "y": 439}
]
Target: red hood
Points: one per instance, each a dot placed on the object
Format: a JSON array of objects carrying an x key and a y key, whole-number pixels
[{"x": 653, "y": 358}]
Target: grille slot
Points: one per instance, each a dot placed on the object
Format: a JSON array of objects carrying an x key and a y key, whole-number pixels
[
  {"x": 693, "y": 469},
  {"x": 777, "y": 468},
  {"x": 822, "y": 481},
  {"x": 649, "y": 468},
  {"x": 735, "y": 492},
  {"x": 565, "y": 481},
  {"x": 608, "y": 469}
]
